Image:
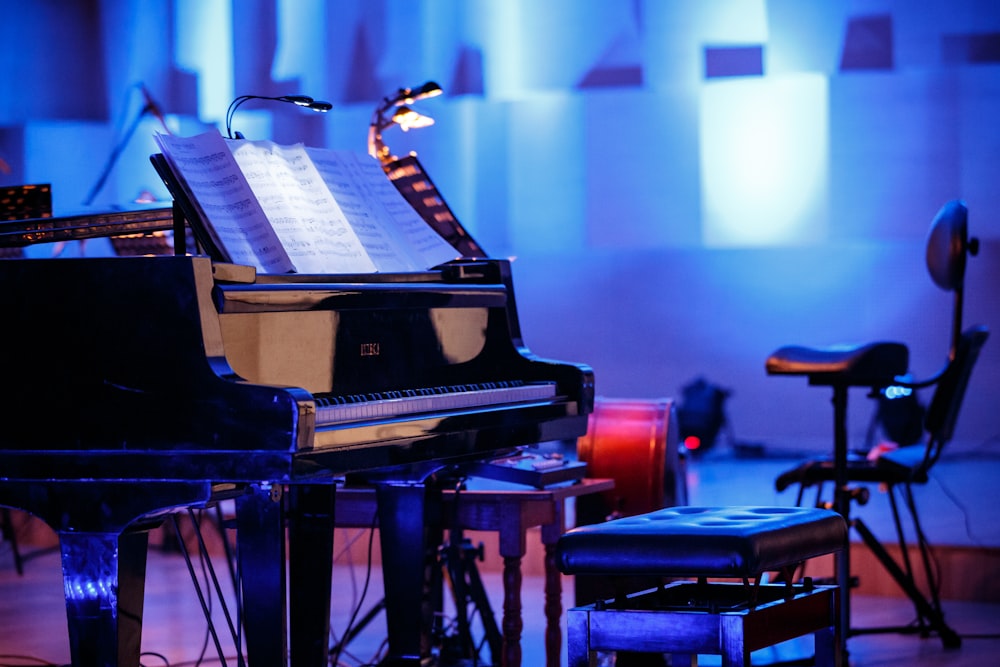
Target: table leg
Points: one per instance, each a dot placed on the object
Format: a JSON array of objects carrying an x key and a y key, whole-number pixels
[
  {"x": 553, "y": 608},
  {"x": 553, "y": 588},
  {"x": 512, "y": 623}
]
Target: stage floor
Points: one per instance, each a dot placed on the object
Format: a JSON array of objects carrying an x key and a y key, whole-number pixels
[
  {"x": 33, "y": 623},
  {"x": 956, "y": 507}
]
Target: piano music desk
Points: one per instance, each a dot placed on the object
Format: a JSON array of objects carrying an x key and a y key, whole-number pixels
[{"x": 510, "y": 510}]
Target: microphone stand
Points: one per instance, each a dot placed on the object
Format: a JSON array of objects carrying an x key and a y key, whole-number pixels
[{"x": 116, "y": 153}]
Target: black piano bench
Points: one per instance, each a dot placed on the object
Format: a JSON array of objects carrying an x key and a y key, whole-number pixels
[{"x": 697, "y": 614}]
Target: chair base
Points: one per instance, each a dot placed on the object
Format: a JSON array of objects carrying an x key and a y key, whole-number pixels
[
  {"x": 929, "y": 614},
  {"x": 895, "y": 476},
  {"x": 687, "y": 619}
]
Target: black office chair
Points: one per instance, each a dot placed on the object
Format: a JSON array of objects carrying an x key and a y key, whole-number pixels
[{"x": 878, "y": 366}]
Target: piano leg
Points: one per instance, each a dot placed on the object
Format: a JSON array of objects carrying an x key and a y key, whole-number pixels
[
  {"x": 103, "y": 536},
  {"x": 261, "y": 522},
  {"x": 104, "y": 618},
  {"x": 310, "y": 564},
  {"x": 407, "y": 513},
  {"x": 260, "y": 534}
]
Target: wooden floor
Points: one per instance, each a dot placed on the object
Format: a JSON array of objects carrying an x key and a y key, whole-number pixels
[{"x": 33, "y": 625}]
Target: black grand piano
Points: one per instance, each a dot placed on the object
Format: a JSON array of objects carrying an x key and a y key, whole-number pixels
[{"x": 148, "y": 384}]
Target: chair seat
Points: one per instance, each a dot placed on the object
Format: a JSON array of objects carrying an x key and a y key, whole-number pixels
[
  {"x": 865, "y": 365},
  {"x": 898, "y": 466},
  {"x": 724, "y": 542}
]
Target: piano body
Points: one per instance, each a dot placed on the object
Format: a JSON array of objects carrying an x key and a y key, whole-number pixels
[{"x": 149, "y": 384}]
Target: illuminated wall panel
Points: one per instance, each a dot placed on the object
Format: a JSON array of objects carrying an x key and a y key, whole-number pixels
[
  {"x": 764, "y": 151},
  {"x": 979, "y": 141},
  {"x": 804, "y": 36},
  {"x": 47, "y": 141},
  {"x": 639, "y": 192},
  {"x": 676, "y": 32},
  {"x": 919, "y": 25},
  {"x": 52, "y": 65},
  {"x": 892, "y": 166},
  {"x": 204, "y": 45},
  {"x": 301, "y": 40},
  {"x": 135, "y": 49},
  {"x": 546, "y": 173},
  {"x": 478, "y": 183},
  {"x": 545, "y": 46}
]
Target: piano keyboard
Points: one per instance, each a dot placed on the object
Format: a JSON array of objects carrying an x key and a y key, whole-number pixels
[{"x": 389, "y": 404}]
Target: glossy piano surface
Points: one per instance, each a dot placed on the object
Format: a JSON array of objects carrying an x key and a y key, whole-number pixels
[
  {"x": 141, "y": 385},
  {"x": 165, "y": 367}
]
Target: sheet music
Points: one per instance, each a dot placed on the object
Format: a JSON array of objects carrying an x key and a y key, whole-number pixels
[
  {"x": 291, "y": 208},
  {"x": 305, "y": 216},
  {"x": 393, "y": 232},
  {"x": 215, "y": 180}
]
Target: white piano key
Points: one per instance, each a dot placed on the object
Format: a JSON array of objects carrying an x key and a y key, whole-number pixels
[{"x": 411, "y": 405}]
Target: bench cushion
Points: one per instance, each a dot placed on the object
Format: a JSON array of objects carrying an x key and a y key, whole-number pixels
[{"x": 742, "y": 541}]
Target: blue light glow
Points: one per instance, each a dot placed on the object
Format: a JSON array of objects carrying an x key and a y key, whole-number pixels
[
  {"x": 82, "y": 588},
  {"x": 897, "y": 392},
  {"x": 300, "y": 36},
  {"x": 731, "y": 22},
  {"x": 205, "y": 47},
  {"x": 764, "y": 153}
]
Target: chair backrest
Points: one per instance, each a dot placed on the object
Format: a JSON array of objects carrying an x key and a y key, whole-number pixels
[
  {"x": 942, "y": 413},
  {"x": 948, "y": 243}
]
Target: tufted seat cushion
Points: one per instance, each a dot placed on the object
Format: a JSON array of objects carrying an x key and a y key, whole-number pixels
[{"x": 724, "y": 542}]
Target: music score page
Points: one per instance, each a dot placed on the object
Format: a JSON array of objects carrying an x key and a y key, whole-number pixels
[{"x": 308, "y": 210}]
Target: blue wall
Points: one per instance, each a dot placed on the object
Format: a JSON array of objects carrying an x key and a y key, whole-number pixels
[{"x": 685, "y": 184}]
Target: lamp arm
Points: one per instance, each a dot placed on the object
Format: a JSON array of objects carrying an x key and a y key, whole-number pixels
[
  {"x": 298, "y": 100},
  {"x": 376, "y": 147},
  {"x": 908, "y": 382},
  {"x": 231, "y": 111}
]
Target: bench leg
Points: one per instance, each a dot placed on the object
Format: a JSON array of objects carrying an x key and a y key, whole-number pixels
[
  {"x": 734, "y": 650},
  {"x": 829, "y": 648},
  {"x": 578, "y": 639}
]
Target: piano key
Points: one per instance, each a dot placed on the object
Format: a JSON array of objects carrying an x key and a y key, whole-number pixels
[{"x": 392, "y": 404}]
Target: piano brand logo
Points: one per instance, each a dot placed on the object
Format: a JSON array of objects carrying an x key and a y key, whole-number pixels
[{"x": 370, "y": 349}]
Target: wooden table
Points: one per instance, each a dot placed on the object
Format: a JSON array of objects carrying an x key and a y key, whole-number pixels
[{"x": 510, "y": 510}]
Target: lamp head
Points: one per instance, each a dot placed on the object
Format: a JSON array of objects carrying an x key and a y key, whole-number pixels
[
  {"x": 410, "y": 95},
  {"x": 301, "y": 100},
  {"x": 407, "y": 119},
  {"x": 403, "y": 116},
  {"x": 306, "y": 101}
]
